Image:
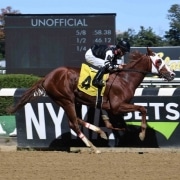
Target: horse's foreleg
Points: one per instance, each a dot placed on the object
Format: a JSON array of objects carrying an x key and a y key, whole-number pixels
[
  {"x": 73, "y": 122},
  {"x": 88, "y": 143},
  {"x": 93, "y": 128},
  {"x": 143, "y": 123},
  {"x": 125, "y": 108}
]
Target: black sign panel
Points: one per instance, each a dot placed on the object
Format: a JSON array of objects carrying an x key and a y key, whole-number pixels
[
  {"x": 42, "y": 124},
  {"x": 36, "y": 44},
  {"x": 170, "y": 54},
  {"x": 163, "y": 119}
]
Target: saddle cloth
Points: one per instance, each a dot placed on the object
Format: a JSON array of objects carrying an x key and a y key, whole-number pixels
[{"x": 85, "y": 80}]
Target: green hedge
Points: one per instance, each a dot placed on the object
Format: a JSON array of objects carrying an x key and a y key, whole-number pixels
[
  {"x": 14, "y": 81},
  {"x": 17, "y": 80}
]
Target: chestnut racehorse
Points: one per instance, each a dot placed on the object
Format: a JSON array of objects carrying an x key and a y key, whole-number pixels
[{"x": 61, "y": 86}]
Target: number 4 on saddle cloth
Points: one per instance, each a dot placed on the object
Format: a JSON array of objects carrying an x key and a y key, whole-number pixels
[{"x": 85, "y": 82}]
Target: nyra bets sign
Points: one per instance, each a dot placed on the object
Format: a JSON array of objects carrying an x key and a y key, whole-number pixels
[
  {"x": 43, "y": 124},
  {"x": 163, "y": 114}
]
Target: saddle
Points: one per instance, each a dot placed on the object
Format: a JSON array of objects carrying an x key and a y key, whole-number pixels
[{"x": 85, "y": 85}]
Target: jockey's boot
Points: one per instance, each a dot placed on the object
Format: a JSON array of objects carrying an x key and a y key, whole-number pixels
[{"x": 98, "y": 79}]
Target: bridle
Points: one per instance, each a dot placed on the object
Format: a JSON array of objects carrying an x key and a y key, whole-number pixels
[{"x": 143, "y": 72}]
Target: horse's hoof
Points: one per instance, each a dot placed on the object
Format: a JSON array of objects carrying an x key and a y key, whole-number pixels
[
  {"x": 141, "y": 136},
  {"x": 97, "y": 151},
  {"x": 103, "y": 135}
]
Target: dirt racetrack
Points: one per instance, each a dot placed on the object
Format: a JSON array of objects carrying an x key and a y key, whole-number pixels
[{"x": 47, "y": 165}]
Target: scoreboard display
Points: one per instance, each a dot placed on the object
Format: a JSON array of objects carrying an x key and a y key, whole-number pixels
[{"x": 39, "y": 43}]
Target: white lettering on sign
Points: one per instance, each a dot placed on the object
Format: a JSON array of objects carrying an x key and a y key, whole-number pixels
[
  {"x": 38, "y": 123},
  {"x": 136, "y": 113},
  {"x": 174, "y": 115},
  {"x": 71, "y": 22},
  {"x": 57, "y": 120},
  {"x": 36, "y": 120},
  {"x": 156, "y": 109},
  {"x": 39, "y": 120},
  {"x": 171, "y": 110}
]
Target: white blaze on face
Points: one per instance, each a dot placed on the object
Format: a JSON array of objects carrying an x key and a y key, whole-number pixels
[{"x": 158, "y": 63}]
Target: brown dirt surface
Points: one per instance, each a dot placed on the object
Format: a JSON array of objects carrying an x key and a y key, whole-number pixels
[{"x": 53, "y": 165}]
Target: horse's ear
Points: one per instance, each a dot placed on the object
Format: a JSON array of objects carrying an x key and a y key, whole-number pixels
[{"x": 149, "y": 51}]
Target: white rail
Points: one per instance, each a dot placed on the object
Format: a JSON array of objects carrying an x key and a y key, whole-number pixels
[
  {"x": 147, "y": 82},
  {"x": 157, "y": 82},
  {"x": 7, "y": 91}
]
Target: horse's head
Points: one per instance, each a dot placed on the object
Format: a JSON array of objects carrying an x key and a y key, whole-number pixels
[{"x": 159, "y": 66}]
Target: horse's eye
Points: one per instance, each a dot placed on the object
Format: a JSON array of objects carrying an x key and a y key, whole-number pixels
[{"x": 158, "y": 62}]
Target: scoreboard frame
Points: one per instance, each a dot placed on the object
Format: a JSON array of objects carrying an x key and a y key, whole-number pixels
[{"x": 38, "y": 43}]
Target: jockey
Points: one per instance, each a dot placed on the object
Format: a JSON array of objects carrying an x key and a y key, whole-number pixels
[{"x": 105, "y": 57}]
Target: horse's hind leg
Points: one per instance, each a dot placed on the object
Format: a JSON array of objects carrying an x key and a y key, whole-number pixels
[
  {"x": 73, "y": 122},
  {"x": 93, "y": 128}
]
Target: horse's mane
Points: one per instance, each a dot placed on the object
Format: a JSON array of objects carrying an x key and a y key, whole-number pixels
[{"x": 134, "y": 57}]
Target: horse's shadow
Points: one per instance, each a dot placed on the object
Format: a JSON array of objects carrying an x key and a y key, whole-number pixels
[
  {"x": 127, "y": 138},
  {"x": 130, "y": 137}
]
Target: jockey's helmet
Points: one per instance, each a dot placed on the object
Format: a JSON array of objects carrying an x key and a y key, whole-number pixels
[{"x": 124, "y": 45}]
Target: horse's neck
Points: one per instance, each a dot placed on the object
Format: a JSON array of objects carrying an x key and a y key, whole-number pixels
[
  {"x": 134, "y": 78},
  {"x": 137, "y": 73}
]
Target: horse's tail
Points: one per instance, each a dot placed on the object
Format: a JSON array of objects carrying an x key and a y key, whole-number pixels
[{"x": 32, "y": 93}]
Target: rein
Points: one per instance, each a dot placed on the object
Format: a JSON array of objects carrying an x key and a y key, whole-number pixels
[{"x": 138, "y": 71}]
